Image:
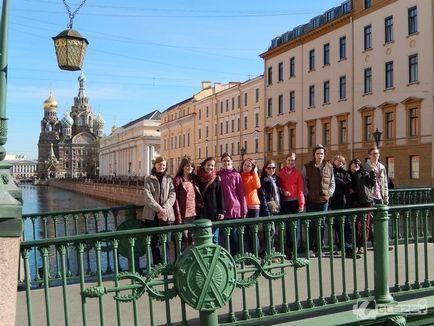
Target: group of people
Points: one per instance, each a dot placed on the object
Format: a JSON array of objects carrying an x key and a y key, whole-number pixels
[{"x": 203, "y": 192}]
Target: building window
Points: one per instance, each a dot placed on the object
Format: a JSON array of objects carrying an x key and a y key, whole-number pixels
[
  {"x": 269, "y": 142},
  {"x": 221, "y": 128},
  {"x": 342, "y": 87},
  {"x": 233, "y": 103},
  {"x": 238, "y": 124},
  {"x": 367, "y": 128},
  {"x": 221, "y": 107},
  {"x": 270, "y": 75},
  {"x": 280, "y": 140},
  {"x": 413, "y": 68},
  {"x": 312, "y": 59},
  {"x": 245, "y": 123},
  {"x": 388, "y": 29},
  {"x": 292, "y": 101},
  {"x": 280, "y": 71},
  {"x": 227, "y": 105},
  {"x": 389, "y": 74},
  {"x": 291, "y": 135},
  {"x": 367, "y": 3},
  {"x": 221, "y": 149},
  {"x": 200, "y": 152},
  {"x": 188, "y": 139},
  {"x": 412, "y": 20},
  {"x": 413, "y": 116},
  {"x": 390, "y": 125},
  {"x": 326, "y": 54},
  {"x": 311, "y": 135},
  {"x": 232, "y": 125},
  {"x": 292, "y": 67},
  {"x": 257, "y": 95},
  {"x": 206, "y": 132},
  {"x": 245, "y": 99},
  {"x": 367, "y": 37},
  {"x": 342, "y": 47},
  {"x": 390, "y": 166},
  {"x": 326, "y": 134},
  {"x": 414, "y": 167},
  {"x": 227, "y": 126},
  {"x": 256, "y": 145},
  {"x": 232, "y": 148},
  {"x": 280, "y": 108},
  {"x": 226, "y": 148},
  {"x": 326, "y": 89},
  {"x": 311, "y": 96},
  {"x": 367, "y": 80},
  {"x": 238, "y": 101},
  {"x": 200, "y": 114},
  {"x": 343, "y": 131},
  {"x": 270, "y": 107}
]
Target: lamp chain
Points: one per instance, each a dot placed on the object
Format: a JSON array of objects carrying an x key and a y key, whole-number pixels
[{"x": 72, "y": 14}]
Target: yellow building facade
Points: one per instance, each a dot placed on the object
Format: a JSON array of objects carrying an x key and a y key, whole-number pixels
[
  {"x": 219, "y": 118},
  {"x": 359, "y": 67}
]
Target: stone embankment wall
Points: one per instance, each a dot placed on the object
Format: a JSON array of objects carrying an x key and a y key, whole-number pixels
[{"x": 122, "y": 194}]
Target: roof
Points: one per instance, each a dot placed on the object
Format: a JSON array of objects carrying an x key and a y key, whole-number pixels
[
  {"x": 154, "y": 115},
  {"x": 179, "y": 103}
]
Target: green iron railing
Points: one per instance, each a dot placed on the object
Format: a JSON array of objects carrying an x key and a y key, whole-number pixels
[{"x": 249, "y": 286}]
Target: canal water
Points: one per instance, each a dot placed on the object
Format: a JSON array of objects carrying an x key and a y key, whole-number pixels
[{"x": 44, "y": 199}]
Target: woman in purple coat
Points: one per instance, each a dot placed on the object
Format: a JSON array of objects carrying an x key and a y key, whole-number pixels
[{"x": 234, "y": 197}]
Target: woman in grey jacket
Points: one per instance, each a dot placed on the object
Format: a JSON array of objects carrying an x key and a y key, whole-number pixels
[{"x": 159, "y": 199}]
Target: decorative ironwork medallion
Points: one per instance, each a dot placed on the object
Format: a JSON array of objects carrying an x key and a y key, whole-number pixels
[{"x": 205, "y": 277}]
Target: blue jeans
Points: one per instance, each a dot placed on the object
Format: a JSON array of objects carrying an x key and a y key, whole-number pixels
[
  {"x": 314, "y": 243},
  {"x": 249, "y": 237},
  {"x": 291, "y": 207}
]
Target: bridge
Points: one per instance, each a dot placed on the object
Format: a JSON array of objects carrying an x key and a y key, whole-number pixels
[{"x": 92, "y": 267}]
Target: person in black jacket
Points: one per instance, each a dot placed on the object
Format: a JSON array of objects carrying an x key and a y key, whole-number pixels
[
  {"x": 340, "y": 198},
  {"x": 362, "y": 183},
  {"x": 212, "y": 195}
]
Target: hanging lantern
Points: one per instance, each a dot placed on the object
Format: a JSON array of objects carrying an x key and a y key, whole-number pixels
[
  {"x": 70, "y": 49},
  {"x": 70, "y": 45}
]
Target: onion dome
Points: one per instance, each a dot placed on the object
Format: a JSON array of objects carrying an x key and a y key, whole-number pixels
[
  {"x": 67, "y": 121},
  {"x": 50, "y": 103},
  {"x": 98, "y": 122}
]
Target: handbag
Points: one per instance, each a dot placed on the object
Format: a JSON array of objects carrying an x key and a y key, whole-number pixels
[{"x": 273, "y": 207}]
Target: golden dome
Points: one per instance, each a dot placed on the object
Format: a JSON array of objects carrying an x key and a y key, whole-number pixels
[{"x": 50, "y": 103}]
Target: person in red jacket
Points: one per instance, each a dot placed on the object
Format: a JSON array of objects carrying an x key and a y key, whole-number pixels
[{"x": 292, "y": 186}]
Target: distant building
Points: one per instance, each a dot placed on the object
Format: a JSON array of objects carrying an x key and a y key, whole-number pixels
[
  {"x": 219, "y": 118},
  {"x": 70, "y": 147},
  {"x": 130, "y": 149},
  {"x": 21, "y": 167}
]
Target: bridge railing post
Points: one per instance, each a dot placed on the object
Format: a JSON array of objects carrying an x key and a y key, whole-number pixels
[{"x": 381, "y": 254}]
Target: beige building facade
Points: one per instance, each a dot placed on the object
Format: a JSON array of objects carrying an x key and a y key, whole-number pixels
[
  {"x": 361, "y": 66},
  {"x": 130, "y": 149},
  {"x": 219, "y": 118}
]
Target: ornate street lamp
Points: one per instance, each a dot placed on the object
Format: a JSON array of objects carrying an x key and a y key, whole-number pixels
[
  {"x": 70, "y": 45},
  {"x": 243, "y": 152},
  {"x": 377, "y": 137}
]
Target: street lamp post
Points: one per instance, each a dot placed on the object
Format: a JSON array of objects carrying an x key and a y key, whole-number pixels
[
  {"x": 10, "y": 195},
  {"x": 377, "y": 137},
  {"x": 243, "y": 152}
]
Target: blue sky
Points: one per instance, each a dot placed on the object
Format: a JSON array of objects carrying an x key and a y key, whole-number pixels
[{"x": 142, "y": 56}]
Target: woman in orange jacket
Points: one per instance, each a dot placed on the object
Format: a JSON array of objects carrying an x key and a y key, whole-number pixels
[{"x": 251, "y": 182}]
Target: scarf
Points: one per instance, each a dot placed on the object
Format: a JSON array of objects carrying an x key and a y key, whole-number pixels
[{"x": 205, "y": 177}]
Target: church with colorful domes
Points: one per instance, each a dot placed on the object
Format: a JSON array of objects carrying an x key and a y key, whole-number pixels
[{"x": 69, "y": 148}]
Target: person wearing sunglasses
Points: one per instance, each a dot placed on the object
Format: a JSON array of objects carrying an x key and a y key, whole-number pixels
[
  {"x": 270, "y": 198},
  {"x": 319, "y": 186}
]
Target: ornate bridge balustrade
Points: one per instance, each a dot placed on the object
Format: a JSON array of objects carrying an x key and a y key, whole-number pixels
[{"x": 206, "y": 281}]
